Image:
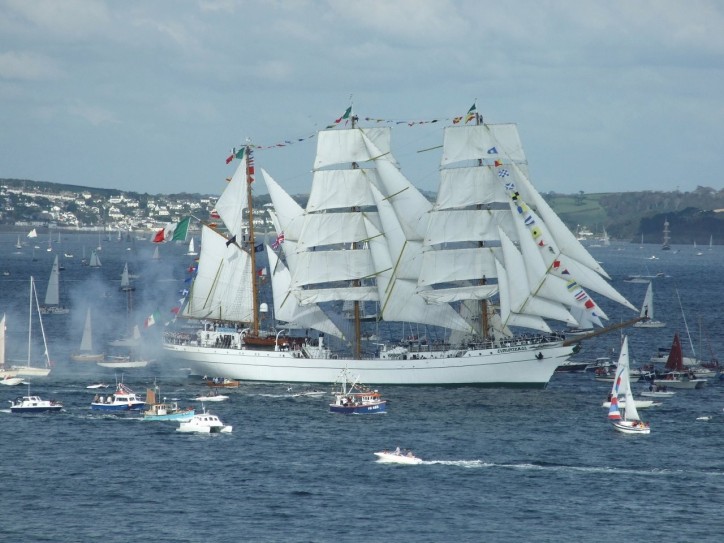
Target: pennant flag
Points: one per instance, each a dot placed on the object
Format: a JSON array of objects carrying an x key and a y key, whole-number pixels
[
  {"x": 173, "y": 231},
  {"x": 33, "y": 233},
  {"x": 456, "y": 120},
  {"x": 230, "y": 158},
  {"x": 258, "y": 248},
  {"x": 214, "y": 214},
  {"x": 231, "y": 240},
  {"x": 278, "y": 241},
  {"x": 503, "y": 173},
  {"x": 493, "y": 151},
  {"x": 498, "y": 163},
  {"x": 152, "y": 319},
  {"x": 471, "y": 114},
  {"x": 240, "y": 153},
  {"x": 175, "y": 310},
  {"x": 261, "y": 272}
]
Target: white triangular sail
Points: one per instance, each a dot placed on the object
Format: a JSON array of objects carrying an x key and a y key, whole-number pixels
[
  {"x": 125, "y": 277},
  {"x": 86, "y": 342},
  {"x": 52, "y": 294},
  {"x": 647, "y": 308}
]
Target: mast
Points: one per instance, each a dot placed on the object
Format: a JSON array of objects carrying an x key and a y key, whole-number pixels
[
  {"x": 252, "y": 250},
  {"x": 356, "y": 282},
  {"x": 484, "y": 326}
]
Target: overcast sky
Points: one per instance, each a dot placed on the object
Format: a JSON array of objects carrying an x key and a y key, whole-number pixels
[{"x": 151, "y": 95}]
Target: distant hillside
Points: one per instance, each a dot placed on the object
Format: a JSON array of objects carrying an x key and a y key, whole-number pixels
[{"x": 692, "y": 216}]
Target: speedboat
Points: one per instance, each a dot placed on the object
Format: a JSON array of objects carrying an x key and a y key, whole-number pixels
[
  {"x": 212, "y": 396},
  {"x": 123, "y": 399},
  {"x": 12, "y": 381},
  {"x": 204, "y": 423},
  {"x": 33, "y": 404},
  {"x": 397, "y": 457}
]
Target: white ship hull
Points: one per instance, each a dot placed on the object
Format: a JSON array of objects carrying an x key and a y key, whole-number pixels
[{"x": 515, "y": 366}]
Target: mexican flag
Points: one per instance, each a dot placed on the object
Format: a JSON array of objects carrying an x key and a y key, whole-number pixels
[
  {"x": 152, "y": 319},
  {"x": 173, "y": 231}
]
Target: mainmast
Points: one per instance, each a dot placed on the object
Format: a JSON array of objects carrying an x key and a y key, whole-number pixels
[
  {"x": 252, "y": 243},
  {"x": 482, "y": 281},
  {"x": 357, "y": 282}
]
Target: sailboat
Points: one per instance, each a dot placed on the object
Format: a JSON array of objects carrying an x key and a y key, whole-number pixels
[
  {"x": 52, "y": 294},
  {"x": 676, "y": 375},
  {"x": 126, "y": 280},
  {"x": 85, "y": 353},
  {"x": 29, "y": 370},
  {"x": 156, "y": 256},
  {"x": 95, "y": 261},
  {"x": 368, "y": 235},
  {"x": 625, "y": 418},
  {"x": 18, "y": 244},
  {"x": 647, "y": 311},
  {"x": 191, "y": 251}
]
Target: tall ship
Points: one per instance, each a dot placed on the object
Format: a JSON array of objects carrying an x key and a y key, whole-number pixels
[{"x": 488, "y": 262}]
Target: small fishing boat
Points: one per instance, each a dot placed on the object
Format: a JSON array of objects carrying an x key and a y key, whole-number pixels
[
  {"x": 355, "y": 399},
  {"x": 165, "y": 410},
  {"x": 204, "y": 423},
  {"x": 123, "y": 399},
  {"x": 397, "y": 457}
]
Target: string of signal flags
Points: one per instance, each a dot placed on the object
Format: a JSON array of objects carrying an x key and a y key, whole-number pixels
[{"x": 344, "y": 120}]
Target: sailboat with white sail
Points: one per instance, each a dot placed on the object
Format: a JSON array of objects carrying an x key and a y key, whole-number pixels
[
  {"x": 52, "y": 304},
  {"x": 126, "y": 285},
  {"x": 368, "y": 235},
  {"x": 625, "y": 418},
  {"x": 29, "y": 370},
  {"x": 192, "y": 250},
  {"x": 647, "y": 311},
  {"x": 95, "y": 261},
  {"x": 86, "y": 352}
]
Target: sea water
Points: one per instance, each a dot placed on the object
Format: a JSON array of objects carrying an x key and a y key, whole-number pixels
[{"x": 499, "y": 464}]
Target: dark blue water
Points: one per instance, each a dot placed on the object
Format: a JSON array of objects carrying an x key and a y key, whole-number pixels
[{"x": 502, "y": 465}]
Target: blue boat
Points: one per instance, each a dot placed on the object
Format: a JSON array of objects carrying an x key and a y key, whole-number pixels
[
  {"x": 357, "y": 400},
  {"x": 123, "y": 399}
]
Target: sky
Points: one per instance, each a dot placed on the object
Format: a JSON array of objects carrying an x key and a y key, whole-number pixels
[{"x": 152, "y": 95}]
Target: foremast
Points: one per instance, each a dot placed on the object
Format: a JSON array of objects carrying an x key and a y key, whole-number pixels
[{"x": 252, "y": 242}]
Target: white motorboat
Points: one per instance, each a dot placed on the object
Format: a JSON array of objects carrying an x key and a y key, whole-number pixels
[
  {"x": 204, "y": 423},
  {"x": 12, "y": 381},
  {"x": 33, "y": 404},
  {"x": 397, "y": 457},
  {"x": 212, "y": 396}
]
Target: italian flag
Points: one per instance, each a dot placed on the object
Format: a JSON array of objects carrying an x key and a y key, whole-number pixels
[{"x": 173, "y": 231}]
